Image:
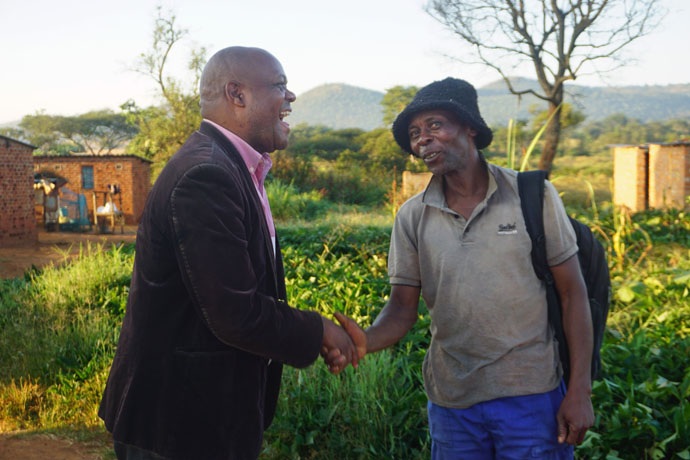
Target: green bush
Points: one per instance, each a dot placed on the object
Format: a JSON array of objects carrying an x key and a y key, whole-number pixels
[
  {"x": 352, "y": 185},
  {"x": 288, "y": 203},
  {"x": 292, "y": 169}
]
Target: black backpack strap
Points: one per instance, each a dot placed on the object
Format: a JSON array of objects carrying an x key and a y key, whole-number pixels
[{"x": 531, "y": 192}]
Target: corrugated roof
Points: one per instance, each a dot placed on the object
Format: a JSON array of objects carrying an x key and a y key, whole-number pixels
[
  {"x": 646, "y": 146},
  {"x": 82, "y": 156},
  {"x": 18, "y": 142}
]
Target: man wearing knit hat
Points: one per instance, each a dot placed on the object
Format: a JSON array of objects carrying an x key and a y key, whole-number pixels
[{"x": 492, "y": 371}]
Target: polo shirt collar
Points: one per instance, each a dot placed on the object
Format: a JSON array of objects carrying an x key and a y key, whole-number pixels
[{"x": 434, "y": 196}]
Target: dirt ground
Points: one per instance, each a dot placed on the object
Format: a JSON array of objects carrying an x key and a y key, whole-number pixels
[
  {"x": 50, "y": 248},
  {"x": 45, "y": 447}
]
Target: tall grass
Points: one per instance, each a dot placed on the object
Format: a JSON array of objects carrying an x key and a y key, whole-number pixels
[
  {"x": 377, "y": 412},
  {"x": 58, "y": 330}
]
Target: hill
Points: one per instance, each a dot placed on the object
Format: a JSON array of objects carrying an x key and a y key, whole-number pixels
[
  {"x": 339, "y": 106},
  {"x": 343, "y": 106},
  {"x": 644, "y": 103},
  {"x": 10, "y": 124}
]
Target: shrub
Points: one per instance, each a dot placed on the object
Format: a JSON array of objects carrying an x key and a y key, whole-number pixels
[{"x": 289, "y": 203}]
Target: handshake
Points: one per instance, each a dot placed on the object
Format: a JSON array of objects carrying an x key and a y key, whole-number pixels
[{"x": 342, "y": 345}]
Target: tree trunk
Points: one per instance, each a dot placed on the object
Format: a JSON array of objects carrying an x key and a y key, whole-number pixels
[{"x": 551, "y": 136}]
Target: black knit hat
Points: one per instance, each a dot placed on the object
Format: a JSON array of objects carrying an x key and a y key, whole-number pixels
[{"x": 451, "y": 94}]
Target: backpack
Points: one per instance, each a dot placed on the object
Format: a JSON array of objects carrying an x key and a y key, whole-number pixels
[{"x": 592, "y": 258}]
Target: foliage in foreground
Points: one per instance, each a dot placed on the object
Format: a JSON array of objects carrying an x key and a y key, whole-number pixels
[{"x": 58, "y": 330}]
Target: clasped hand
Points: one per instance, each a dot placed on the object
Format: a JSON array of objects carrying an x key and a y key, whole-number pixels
[{"x": 342, "y": 345}]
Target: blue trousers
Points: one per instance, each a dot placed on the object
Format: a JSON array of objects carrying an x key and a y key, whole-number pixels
[{"x": 512, "y": 428}]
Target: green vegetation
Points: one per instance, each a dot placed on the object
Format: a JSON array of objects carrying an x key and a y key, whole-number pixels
[
  {"x": 58, "y": 332},
  {"x": 360, "y": 168},
  {"x": 596, "y": 137},
  {"x": 345, "y": 166},
  {"x": 164, "y": 128},
  {"x": 288, "y": 203},
  {"x": 97, "y": 133},
  {"x": 59, "y": 327}
]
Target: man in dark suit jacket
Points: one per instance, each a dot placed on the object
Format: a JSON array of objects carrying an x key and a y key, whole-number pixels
[{"x": 207, "y": 329}]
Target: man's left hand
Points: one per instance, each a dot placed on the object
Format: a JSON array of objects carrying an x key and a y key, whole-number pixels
[{"x": 575, "y": 416}]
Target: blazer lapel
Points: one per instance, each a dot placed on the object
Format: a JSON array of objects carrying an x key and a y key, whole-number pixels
[{"x": 235, "y": 156}]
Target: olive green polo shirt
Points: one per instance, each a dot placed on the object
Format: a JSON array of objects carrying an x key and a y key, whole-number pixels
[{"x": 489, "y": 332}]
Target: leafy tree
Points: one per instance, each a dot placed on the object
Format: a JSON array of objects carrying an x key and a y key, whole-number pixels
[
  {"x": 40, "y": 130},
  {"x": 14, "y": 133},
  {"x": 292, "y": 169},
  {"x": 98, "y": 132},
  {"x": 380, "y": 153},
  {"x": 304, "y": 131},
  {"x": 569, "y": 117},
  {"x": 325, "y": 146},
  {"x": 381, "y": 146},
  {"x": 164, "y": 128},
  {"x": 597, "y": 137},
  {"x": 561, "y": 39},
  {"x": 321, "y": 142},
  {"x": 395, "y": 100}
]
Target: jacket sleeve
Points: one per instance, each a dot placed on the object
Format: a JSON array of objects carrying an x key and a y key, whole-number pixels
[{"x": 209, "y": 212}]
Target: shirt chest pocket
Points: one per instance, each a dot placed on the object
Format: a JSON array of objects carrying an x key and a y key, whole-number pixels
[{"x": 499, "y": 245}]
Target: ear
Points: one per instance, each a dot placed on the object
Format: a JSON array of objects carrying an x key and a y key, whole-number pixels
[
  {"x": 234, "y": 93},
  {"x": 471, "y": 131}
]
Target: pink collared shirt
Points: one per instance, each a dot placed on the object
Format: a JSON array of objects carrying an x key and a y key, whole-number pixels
[{"x": 258, "y": 165}]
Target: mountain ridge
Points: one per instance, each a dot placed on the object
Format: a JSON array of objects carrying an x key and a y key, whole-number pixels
[
  {"x": 341, "y": 105},
  {"x": 338, "y": 105}
]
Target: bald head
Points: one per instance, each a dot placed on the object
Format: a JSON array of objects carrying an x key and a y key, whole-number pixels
[
  {"x": 232, "y": 64},
  {"x": 245, "y": 91}
]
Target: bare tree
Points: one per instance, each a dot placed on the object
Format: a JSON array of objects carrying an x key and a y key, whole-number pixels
[{"x": 561, "y": 38}]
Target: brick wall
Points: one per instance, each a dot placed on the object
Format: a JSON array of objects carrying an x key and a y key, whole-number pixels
[
  {"x": 662, "y": 171},
  {"x": 131, "y": 173},
  {"x": 413, "y": 183},
  {"x": 630, "y": 177},
  {"x": 17, "y": 222},
  {"x": 669, "y": 175}
]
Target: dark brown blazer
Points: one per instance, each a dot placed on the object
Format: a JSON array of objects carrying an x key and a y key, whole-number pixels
[{"x": 198, "y": 364}]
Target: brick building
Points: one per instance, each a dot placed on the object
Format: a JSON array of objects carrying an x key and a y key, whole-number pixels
[
  {"x": 88, "y": 173},
  {"x": 651, "y": 175},
  {"x": 414, "y": 182},
  {"x": 17, "y": 222},
  {"x": 631, "y": 176}
]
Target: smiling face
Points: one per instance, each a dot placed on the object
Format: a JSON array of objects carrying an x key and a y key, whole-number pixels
[
  {"x": 267, "y": 102},
  {"x": 445, "y": 144}
]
